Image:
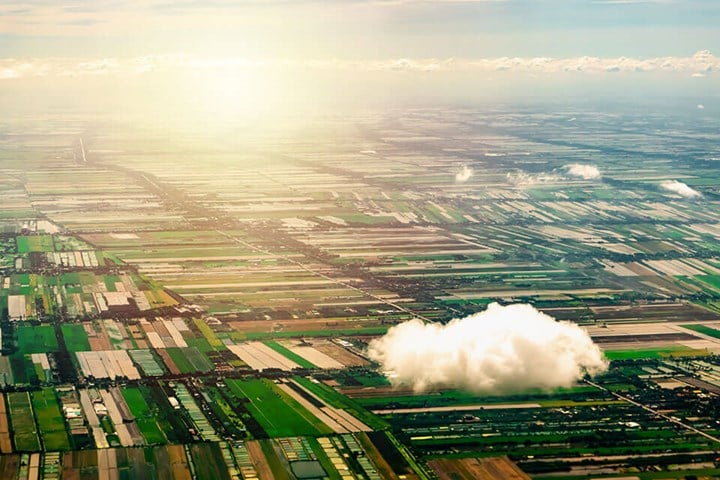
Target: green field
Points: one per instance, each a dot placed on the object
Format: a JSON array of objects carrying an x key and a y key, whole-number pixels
[
  {"x": 147, "y": 361},
  {"x": 444, "y": 398},
  {"x": 285, "y": 352},
  {"x": 25, "y": 435},
  {"x": 36, "y": 243},
  {"x": 343, "y": 332},
  {"x": 209, "y": 334},
  {"x": 704, "y": 329},
  {"x": 200, "y": 343},
  {"x": 75, "y": 337},
  {"x": 23, "y": 369},
  {"x": 228, "y": 415},
  {"x": 50, "y": 420},
  {"x": 208, "y": 461},
  {"x": 178, "y": 358},
  {"x": 278, "y": 414},
  {"x": 6, "y": 372},
  {"x": 190, "y": 360},
  {"x": 36, "y": 339},
  {"x": 661, "y": 352},
  {"x": 337, "y": 400},
  {"x": 144, "y": 415}
]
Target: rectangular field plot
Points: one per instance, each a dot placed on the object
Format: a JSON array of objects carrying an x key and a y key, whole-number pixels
[
  {"x": 42, "y": 366},
  {"x": 186, "y": 360},
  {"x": 163, "y": 333},
  {"x": 145, "y": 415},
  {"x": 35, "y": 243},
  {"x": 209, "y": 462},
  {"x": 709, "y": 330},
  {"x": 6, "y": 371},
  {"x": 36, "y": 339},
  {"x": 259, "y": 356},
  {"x": 76, "y": 339},
  {"x": 25, "y": 434},
  {"x": 50, "y": 420},
  {"x": 5, "y": 439},
  {"x": 307, "y": 352},
  {"x": 201, "y": 423},
  {"x": 277, "y": 413},
  {"x": 107, "y": 364},
  {"x": 472, "y": 468},
  {"x": 147, "y": 362}
]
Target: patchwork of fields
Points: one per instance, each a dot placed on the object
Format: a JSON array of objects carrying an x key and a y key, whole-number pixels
[{"x": 166, "y": 317}]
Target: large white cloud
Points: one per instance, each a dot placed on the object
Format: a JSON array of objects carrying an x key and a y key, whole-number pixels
[{"x": 503, "y": 349}]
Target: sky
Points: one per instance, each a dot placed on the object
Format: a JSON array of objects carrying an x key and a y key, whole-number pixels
[{"x": 270, "y": 52}]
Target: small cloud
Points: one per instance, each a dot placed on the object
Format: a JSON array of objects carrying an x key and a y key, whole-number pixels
[
  {"x": 464, "y": 174},
  {"x": 524, "y": 179},
  {"x": 586, "y": 172},
  {"x": 701, "y": 106},
  {"x": 680, "y": 188},
  {"x": 703, "y": 55},
  {"x": 698, "y": 75}
]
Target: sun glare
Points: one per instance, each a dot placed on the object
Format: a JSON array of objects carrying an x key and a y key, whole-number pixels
[{"x": 229, "y": 93}]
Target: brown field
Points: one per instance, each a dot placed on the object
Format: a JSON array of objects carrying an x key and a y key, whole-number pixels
[
  {"x": 9, "y": 466},
  {"x": 376, "y": 392},
  {"x": 375, "y": 457},
  {"x": 5, "y": 443},
  {"x": 500, "y": 468},
  {"x": 301, "y": 325},
  {"x": 662, "y": 312},
  {"x": 258, "y": 459},
  {"x": 178, "y": 462},
  {"x": 73, "y": 462},
  {"x": 312, "y": 355},
  {"x": 98, "y": 340},
  {"x": 107, "y": 464},
  {"x": 168, "y": 361},
  {"x": 338, "y": 353},
  {"x": 660, "y": 338}
]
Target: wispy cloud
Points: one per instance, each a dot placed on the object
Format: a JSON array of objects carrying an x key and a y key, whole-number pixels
[
  {"x": 523, "y": 179},
  {"x": 633, "y": 2},
  {"x": 703, "y": 63}
]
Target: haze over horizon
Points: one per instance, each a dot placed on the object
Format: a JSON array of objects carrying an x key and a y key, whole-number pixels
[{"x": 262, "y": 58}]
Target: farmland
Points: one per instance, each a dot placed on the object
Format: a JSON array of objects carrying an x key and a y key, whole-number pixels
[
  {"x": 144, "y": 416},
  {"x": 50, "y": 420},
  {"x": 21, "y": 413},
  {"x": 278, "y": 414},
  {"x": 165, "y": 316}
]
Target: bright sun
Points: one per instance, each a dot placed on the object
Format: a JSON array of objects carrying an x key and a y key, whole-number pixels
[{"x": 233, "y": 93}]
